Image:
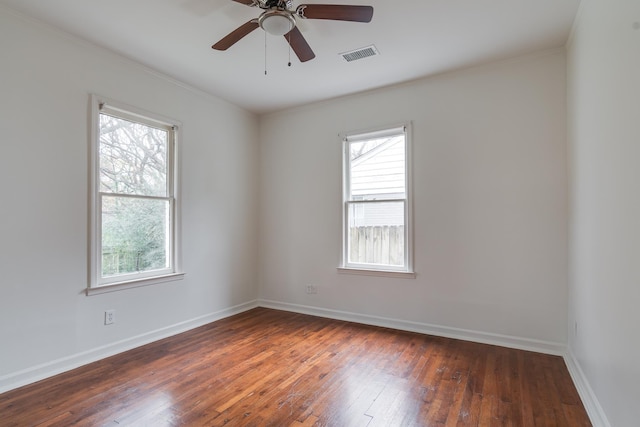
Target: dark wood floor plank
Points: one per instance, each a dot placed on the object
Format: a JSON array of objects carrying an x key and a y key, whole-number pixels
[{"x": 272, "y": 368}]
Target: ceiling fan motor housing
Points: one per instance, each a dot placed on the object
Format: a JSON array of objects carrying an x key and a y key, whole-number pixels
[{"x": 277, "y": 4}]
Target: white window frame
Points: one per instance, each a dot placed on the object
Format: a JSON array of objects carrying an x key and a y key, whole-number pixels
[
  {"x": 405, "y": 271},
  {"x": 98, "y": 284}
]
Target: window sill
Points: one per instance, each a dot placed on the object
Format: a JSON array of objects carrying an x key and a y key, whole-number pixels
[
  {"x": 379, "y": 273},
  {"x": 120, "y": 286}
]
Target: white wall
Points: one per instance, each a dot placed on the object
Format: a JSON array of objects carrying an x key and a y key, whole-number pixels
[
  {"x": 45, "y": 317},
  {"x": 490, "y": 202},
  {"x": 604, "y": 141}
]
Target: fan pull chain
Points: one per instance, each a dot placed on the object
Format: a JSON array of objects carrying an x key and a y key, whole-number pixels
[
  {"x": 265, "y": 53},
  {"x": 289, "y": 48}
]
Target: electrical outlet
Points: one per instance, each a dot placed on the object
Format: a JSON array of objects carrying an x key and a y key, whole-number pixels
[
  {"x": 109, "y": 317},
  {"x": 312, "y": 289}
]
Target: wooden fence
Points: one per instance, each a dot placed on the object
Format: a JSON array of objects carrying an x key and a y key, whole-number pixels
[
  {"x": 377, "y": 244},
  {"x": 117, "y": 260}
]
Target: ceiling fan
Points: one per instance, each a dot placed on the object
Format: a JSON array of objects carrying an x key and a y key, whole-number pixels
[{"x": 279, "y": 18}]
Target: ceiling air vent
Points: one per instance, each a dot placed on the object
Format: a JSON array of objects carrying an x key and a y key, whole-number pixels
[{"x": 361, "y": 53}]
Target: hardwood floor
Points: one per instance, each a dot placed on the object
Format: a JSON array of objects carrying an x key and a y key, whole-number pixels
[{"x": 272, "y": 368}]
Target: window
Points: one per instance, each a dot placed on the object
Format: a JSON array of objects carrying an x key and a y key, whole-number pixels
[
  {"x": 134, "y": 221},
  {"x": 376, "y": 202}
]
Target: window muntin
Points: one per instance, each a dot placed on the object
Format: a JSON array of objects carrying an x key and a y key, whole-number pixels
[
  {"x": 376, "y": 203},
  {"x": 134, "y": 219}
]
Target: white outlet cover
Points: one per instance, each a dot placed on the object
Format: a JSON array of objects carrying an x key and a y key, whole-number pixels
[{"x": 109, "y": 317}]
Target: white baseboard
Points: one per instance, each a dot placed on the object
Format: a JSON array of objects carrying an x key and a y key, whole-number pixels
[
  {"x": 49, "y": 369},
  {"x": 539, "y": 346},
  {"x": 589, "y": 400}
]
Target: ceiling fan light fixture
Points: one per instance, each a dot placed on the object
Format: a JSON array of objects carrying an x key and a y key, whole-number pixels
[{"x": 276, "y": 22}]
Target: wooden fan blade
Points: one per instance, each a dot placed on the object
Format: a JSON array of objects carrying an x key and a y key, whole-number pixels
[
  {"x": 247, "y": 2},
  {"x": 336, "y": 12},
  {"x": 299, "y": 45},
  {"x": 235, "y": 36}
]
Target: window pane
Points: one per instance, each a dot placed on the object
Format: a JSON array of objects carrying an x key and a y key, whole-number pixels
[
  {"x": 376, "y": 233},
  {"x": 133, "y": 157},
  {"x": 134, "y": 235},
  {"x": 377, "y": 169}
]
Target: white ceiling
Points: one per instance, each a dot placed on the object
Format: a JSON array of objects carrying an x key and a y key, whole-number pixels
[{"x": 415, "y": 38}]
